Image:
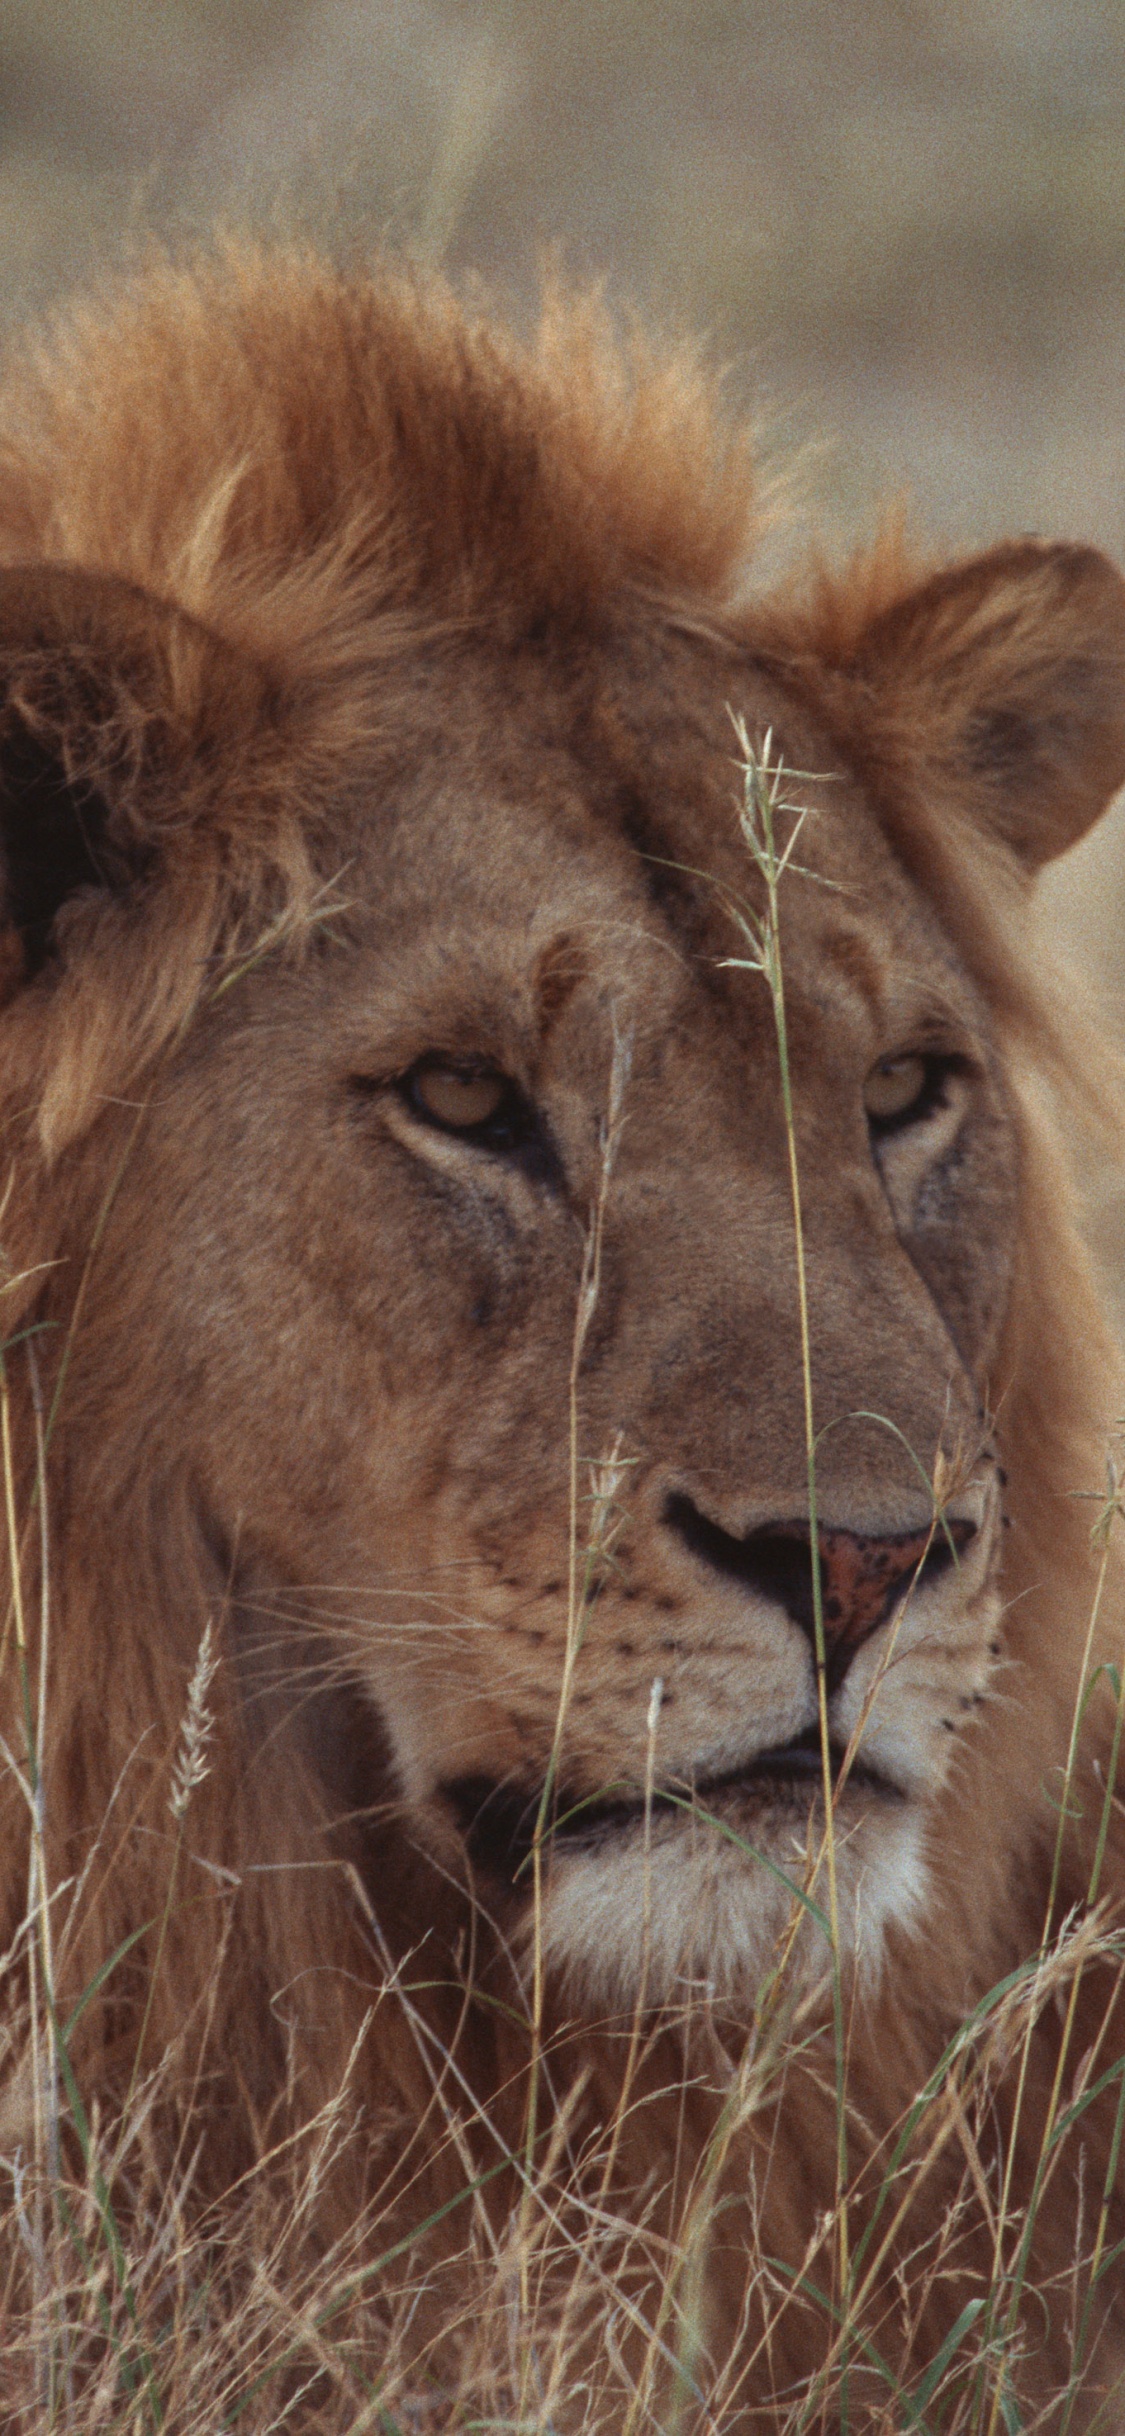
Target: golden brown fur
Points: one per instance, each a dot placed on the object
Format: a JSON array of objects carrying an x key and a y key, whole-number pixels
[{"x": 365, "y": 688}]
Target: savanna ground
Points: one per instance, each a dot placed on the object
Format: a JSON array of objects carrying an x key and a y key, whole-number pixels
[{"x": 904, "y": 224}]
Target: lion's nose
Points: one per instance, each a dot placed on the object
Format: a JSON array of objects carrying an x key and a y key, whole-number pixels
[{"x": 862, "y": 1576}]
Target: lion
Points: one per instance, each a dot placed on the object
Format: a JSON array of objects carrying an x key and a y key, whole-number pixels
[{"x": 551, "y": 1384}]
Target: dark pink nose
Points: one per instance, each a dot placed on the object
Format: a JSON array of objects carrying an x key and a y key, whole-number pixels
[
  {"x": 862, "y": 1581},
  {"x": 863, "y": 1577}
]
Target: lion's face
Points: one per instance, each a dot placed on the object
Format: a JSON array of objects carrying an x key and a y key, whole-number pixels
[{"x": 507, "y": 1231}]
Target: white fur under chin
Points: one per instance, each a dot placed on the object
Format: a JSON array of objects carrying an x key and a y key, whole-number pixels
[{"x": 685, "y": 1917}]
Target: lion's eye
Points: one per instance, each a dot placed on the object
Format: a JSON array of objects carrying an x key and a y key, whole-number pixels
[
  {"x": 899, "y": 1087},
  {"x": 462, "y": 1099}
]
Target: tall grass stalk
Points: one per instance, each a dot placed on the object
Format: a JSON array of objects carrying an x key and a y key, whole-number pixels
[
  {"x": 766, "y": 803},
  {"x": 1009, "y": 2284},
  {"x": 587, "y": 1552}
]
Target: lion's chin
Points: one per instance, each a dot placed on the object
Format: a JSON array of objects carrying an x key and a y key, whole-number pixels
[{"x": 689, "y": 1911}]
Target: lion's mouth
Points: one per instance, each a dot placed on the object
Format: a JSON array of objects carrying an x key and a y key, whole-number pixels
[{"x": 501, "y": 1823}]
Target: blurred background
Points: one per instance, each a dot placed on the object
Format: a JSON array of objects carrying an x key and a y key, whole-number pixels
[{"x": 900, "y": 222}]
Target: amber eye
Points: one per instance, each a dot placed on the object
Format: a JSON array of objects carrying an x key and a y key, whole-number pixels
[
  {"x": 459, "y": 1098},
  {"x": 896, "y": 1087}
]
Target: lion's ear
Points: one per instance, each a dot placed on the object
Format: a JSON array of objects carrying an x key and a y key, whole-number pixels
[
  {"x": 1007, "y": 676},
  {"x": 110, "y": 704}
]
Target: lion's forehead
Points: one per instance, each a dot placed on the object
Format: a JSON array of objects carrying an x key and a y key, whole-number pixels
[{"x": 503, "y": 872}]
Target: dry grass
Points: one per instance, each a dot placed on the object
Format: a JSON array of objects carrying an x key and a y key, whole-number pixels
[
  {"x": 538, "y": 2304},
  {"x": 128, "y": 2309}
]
